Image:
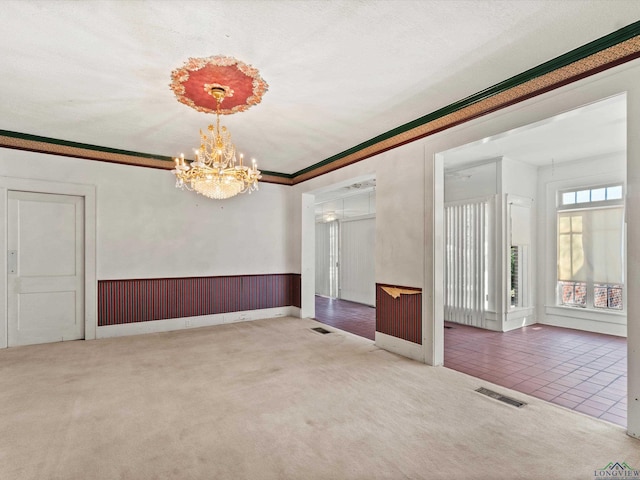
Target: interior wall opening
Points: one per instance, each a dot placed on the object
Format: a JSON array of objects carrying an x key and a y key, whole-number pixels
[
  {"x": 345, "y": 257},
  {"x": 534, "y": 259}
]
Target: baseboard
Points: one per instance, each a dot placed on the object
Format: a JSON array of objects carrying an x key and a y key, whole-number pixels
[
  {"x": 585, "y": 325},
  {"x": 399, "y": 346},
  {"x": 519, "y": 318},
  {"x": 183, "y": 323}
]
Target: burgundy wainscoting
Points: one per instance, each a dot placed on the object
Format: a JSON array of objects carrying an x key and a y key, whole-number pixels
[
  {"x": 143, "y": 300},
  {"x": 399, "y": 317}
]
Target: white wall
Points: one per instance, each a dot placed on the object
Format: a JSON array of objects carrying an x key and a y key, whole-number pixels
[
  {"x": 471, "y": 183},
  {"x": 519, "y": 178},
  {"x": 146, "y": 228}
]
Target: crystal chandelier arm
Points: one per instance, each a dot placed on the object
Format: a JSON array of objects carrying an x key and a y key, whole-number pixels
[{"x": 214, "y": 172}]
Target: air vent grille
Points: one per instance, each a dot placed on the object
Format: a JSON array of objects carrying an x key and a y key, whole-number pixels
[
  {"x": 502, "y": 398},
  {"x": 321, "y": 330}
]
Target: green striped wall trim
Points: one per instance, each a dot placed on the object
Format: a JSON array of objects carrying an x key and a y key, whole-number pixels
[
  {"x": 98, "y": 148},
  {"x": 288, "y": 176},
  {"x": 87, "y": 146},
  {"x": 568, "y": 58}
]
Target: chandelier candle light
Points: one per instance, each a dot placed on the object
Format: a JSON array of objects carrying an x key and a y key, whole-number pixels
[
  {"x": 203, "y": 84},
  {"x": 216, "y": 173}
]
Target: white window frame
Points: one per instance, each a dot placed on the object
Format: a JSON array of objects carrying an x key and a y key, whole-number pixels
[{"x": 582, "y": 206}]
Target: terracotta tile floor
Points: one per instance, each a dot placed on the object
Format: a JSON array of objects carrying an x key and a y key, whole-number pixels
[{"x": 583, "y": 371}]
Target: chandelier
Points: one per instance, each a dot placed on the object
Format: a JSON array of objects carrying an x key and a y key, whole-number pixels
[
  {"x": 216, "y": 172},
  {"x": 203, "y": 84}
]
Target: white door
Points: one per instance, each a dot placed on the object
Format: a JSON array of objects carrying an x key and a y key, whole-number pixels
[
  {"x": 357, "y": 261},
  {"x": 45, "y": 268}
]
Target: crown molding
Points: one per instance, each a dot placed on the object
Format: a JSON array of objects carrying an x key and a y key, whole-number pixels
[
  {"x": 604, "y": 53},
  {"x": 599, "y": 55}
]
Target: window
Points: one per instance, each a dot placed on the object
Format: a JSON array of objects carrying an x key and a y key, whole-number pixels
[
  {"x": 608, "y": 296},
  {"x": 591, "y": 248},
  {"x": 573, "y": 293},
  {"x": 597, "y": 194}
]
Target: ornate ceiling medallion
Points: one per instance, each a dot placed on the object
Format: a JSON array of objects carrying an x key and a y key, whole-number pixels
[
  {"x": 203, "y": 84},
  {"x": 243, "y": 85}
]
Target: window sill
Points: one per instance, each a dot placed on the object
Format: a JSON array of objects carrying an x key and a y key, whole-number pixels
[{"x": 586, "y": 313}]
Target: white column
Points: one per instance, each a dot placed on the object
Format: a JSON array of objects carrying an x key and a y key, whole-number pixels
[
  {"x": 633, "y": 261},
  {"x": 308, "y": 257},
  {"x": 433, "y": 292}
]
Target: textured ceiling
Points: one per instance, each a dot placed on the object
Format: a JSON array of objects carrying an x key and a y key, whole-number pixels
[{"x": 339, "y": 72}]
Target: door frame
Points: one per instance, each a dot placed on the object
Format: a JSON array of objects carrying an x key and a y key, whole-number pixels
[{"x": 88, "y": 192}]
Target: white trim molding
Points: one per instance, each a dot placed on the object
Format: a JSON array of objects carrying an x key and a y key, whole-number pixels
[{"x": 171, "y": 324}]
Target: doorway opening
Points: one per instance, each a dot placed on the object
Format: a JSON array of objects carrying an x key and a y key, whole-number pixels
[
  {"x": 534, "y": 263},
  {"x": 345, "y": 257}
]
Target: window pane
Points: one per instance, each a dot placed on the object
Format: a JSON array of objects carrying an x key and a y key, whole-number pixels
[
  {"x": 614, "y": 193},
  {"x": 567, "y": 292},
  {"x": 583, "y": 196},
  {"x": 568, "y": 198},
  {"x": 607, "y": 296},
  {"x": 600, "y": 297},
  {"x": 580, "y": 295},
  {"x": 576, "y": 223},
  {"x": 598, "y": 194},
  {"x": 578, "y": 270},
  {"x": 605, "y": 241},
  {"x": 571, "y": 254},
  {"x": 615, "y": 298},
  {"x": 573, "y": 294},
  {"x": 564, "y": 257}
]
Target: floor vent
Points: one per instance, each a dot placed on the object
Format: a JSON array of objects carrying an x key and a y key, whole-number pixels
[
  {"x": 321, "y": 330},
  {"x": 500, "y": 397},
  {"x": 448, "y": 326}
]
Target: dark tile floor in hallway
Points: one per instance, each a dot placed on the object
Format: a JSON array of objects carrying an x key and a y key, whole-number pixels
[
  {"x": 582, "y": 371},
  {"x": 348, "y": 316}
]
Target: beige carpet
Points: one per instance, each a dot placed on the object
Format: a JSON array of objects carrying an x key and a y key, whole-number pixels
[{"x": 272, "y": 399}]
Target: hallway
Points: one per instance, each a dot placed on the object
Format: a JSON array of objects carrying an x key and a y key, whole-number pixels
[
  {"x": 348, "y": 316},
  {"x": 582, "y": 371}
]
